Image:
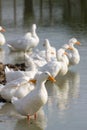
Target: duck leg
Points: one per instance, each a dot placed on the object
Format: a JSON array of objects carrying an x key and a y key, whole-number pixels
[
  {"x": 35, "y": 116},
  {"x": 28, "y": 117}
]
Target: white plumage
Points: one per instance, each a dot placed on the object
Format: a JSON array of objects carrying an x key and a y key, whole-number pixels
[
  {"x": 73, "y": 56},
  {"x": 33, "y": 101},
  {"x": 27, "y": 42},
  {"x": 61, "y": 57},
  {"x": 50, "y": 50},
  {"x": 2, "y": 38},
  {"x": 19, "y": 88}
]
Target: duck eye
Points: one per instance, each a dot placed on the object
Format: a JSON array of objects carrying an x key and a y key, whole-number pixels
[{"x": 46, "y": 73}]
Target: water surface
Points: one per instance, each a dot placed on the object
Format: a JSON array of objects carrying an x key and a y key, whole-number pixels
[{"x": 57, "y": 20}]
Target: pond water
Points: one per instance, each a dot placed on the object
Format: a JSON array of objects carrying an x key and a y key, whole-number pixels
[{"x": 57, "y": 20}]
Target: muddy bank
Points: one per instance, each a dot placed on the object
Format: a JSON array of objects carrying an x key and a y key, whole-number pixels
[{"x": 11, "y": 66}]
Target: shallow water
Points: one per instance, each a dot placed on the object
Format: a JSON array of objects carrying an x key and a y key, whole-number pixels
[{"x": 58, "y": 21}]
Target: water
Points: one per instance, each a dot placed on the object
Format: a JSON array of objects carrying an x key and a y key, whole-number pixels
[{"x": 57, "y": 20}]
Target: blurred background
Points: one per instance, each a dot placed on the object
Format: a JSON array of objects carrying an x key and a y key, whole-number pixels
[
  {"x": 57, "y": 20},
  {"x": 44, "y": 12},
  {"x": 64, "y": 16},
  {"x": 61, "y": 19}
]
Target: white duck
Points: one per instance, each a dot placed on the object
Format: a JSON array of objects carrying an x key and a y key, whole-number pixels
[
  {"x": 73, "y": 56},
  {"x": 57, "y": 65},
  {"x": 27, "y": 42},
  {"x": 41, "y": 57},
  {"x": 2, "y": 38},
  {"x": 34, "y": 62},
  {"x": 65, "y": 47},
  {"x": 13, "y": 75},
  {"x": 53, "y": 67},
  {"x": 50, "y": 50},
  {"x": 19, "y": 88},
  {"x": 44, "y": 54},
  {"x": 62, "y": 58},
  {"x": 29, "y": 63},
  {"x": 31, "y": 70},
  {"x": 32, "y": 102}
]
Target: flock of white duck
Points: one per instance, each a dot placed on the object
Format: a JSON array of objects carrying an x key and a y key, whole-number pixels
[{"x": 26, "y": 89}]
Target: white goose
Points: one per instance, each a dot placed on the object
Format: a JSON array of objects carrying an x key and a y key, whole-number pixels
[
  {"x": 2, "y": 38},
  {"x": 32, "y": 102},
  {"x": 73, "y": 56},
  {"x": 27, "y": 42}
]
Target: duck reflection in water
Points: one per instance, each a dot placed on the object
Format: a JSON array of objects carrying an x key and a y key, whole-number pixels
[
  {"x": 39, "y": 124},
  {"x": 63, "y": 91},
  {"x": 68, "y": 89},
  {"x": 8, "y": 112},
  {"x": 16, "y": 57}
]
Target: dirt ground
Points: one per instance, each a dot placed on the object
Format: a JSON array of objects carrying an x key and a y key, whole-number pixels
[
  {"x": 14, "y": 67},
  {"x": 2, "y": 73}
]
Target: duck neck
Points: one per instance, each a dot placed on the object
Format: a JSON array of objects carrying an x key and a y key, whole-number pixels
[
  {"x": 48, "y": 45},
  {"x": 74, "y": 50},
  {"x": 40, "y": 84},
  {"x": 33, "y": 32},
  {"x": 32, "y": 66},
  {"x": 34, "y": 35},
  {"x": 48, "y": 56},
  {"x": 72, "y": 45}
]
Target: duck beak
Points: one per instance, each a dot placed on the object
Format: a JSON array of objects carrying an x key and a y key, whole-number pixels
[
  {"x": 3, "y": 30},
  {"x": 70, "y": 48},
  {"x": 51, "y": 78},
  {"x": 65, "y": 53},
  {"x": 52, "y": 52},
  {"x": 32, "y": 81},
  {"x": 78, "y": 43}
]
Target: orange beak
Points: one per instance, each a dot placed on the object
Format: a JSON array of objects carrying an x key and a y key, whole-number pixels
[
  {"x": 70, "y": 48},
  {"x": 51, "y": 79},
  {"x": 65, "y": 53},
  {"x": 78, "y": 43},
  {"x": 52, "y": 52},
  {"x": 3, "y": 30},
  {"x": 32, "y": 81}
]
